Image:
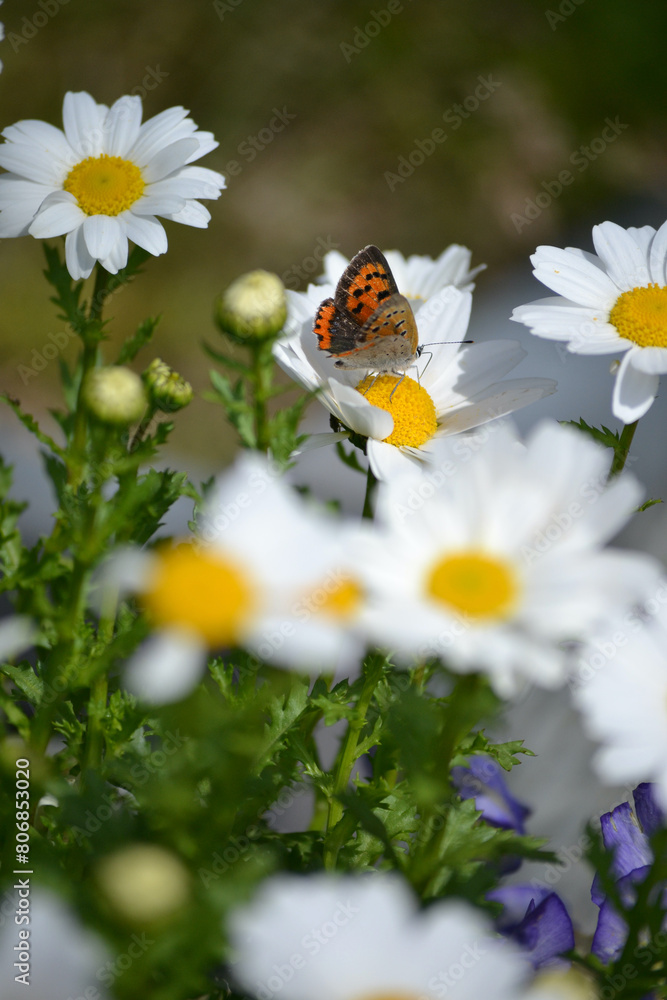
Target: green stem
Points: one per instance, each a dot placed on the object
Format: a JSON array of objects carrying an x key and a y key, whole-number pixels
[
  {"x": 262, "y": 369},
  {"x": 371, "y": 484},
  {"x": 623, "y": 448},
  {"x": 347, "y": 757},
  {"x": 88, "y": 360},
  {"x": 97, "y": 704}
]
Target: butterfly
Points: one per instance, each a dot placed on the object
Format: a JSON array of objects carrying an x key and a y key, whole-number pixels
[{"x": 368, "y": 323}]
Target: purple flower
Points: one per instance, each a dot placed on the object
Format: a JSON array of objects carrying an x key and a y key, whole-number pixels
[
  {"x": 632, "y": 859},
  {"x": 483, "y": 781},
  {"x": 537, "y": 920}
]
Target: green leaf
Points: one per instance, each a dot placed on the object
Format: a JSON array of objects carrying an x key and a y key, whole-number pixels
[
  {"x": 603, "y": 435},
  {"x": 133, "y": 344},
  {"x": 649, "y": 503},
  {"x": 24, "y": 678},
  {"x": 31, "y": 424}
]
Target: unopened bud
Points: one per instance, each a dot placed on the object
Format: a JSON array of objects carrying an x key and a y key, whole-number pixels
[
  {"x": 254, "y": 307},
  {"x": 114, "y": 395},
  {"x": 167, "y": 390},
  {"x": 143, "y": 883}
]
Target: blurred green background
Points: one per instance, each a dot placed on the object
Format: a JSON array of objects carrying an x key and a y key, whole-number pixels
[{"x": 365, "y": 83}]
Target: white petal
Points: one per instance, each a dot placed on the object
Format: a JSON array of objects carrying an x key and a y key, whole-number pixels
[
  {"x": 658, "y": 256},
  {"x": 166, "y": 667},
  {"x": 475, "y": 368},
  {"x": 634, "y": 391},
  {"x": 315, "y": 441},
  {"x": 169, "y": 159},
  {"x": 84, "y": 124},
  {"x": 57, "y": 219},
  {"x": 146, "y": 232},
  {"x": 652, "y": 360},
  {"x": 574, "y": 277},
  {"x": 163, "y": 205},
  {"x": 122, "y": 125},
  {"x": 192, "y": 214},
  {"x": 48, "y": 138},
  {"x": 101, "y": 233},
  {"x": 624, "y": 260},
  {"x": 19, "y": 202},
  {"x": 158, "y": 132},
  {"x": 31, "y": 163},
  {"x": 498, "y": 400},
  {"x": 79, "y": 262},
  {"x": 387, "y": 462},
  {"x": 117, "y": 257},
  {"x": 359, "y": 415}
]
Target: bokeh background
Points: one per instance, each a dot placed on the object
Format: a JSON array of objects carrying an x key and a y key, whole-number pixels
[{"x": 361, "y": 87}]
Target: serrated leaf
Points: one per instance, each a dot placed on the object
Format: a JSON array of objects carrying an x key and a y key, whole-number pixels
[
  {"x": 31, "y": 425},
  {"x": 24, "y": 678},
  {"x": 133, "y": 344}
]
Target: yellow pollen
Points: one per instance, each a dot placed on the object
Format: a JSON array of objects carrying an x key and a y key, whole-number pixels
[
  {"x": 200, "y": 591},
  {"x": 476, "y": 584},
  {"x": 105, "y": 185},
  {"x": 641, "y": 315},
  {"x": 412, "y": 408}
]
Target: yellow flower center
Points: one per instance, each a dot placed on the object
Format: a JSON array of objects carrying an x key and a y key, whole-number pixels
[
  {"x": 475, "y": 584},
  {"x": 410, "y": 405},
  {"x": 339, "y": 599},
  {"x": 201, "y": 591},
  {"x": 641, "y": 315},
  {"x": 105, "y": 185}
]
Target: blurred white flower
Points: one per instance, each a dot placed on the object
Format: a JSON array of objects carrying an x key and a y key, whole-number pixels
[
  {"x": 495, "y": 557},
  {"x": 104, "y": 180},
  {"x": 268, "y": 572},
  {"x": 63, "y": 956},
  {"x": 357, "y": 937},
  {"x": 623, "y": 699},
  {"x": 457, "y": 385},
  {"x": 608, "y": 304}
]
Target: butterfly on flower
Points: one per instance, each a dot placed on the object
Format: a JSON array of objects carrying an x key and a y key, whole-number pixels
[{"x": 368, "y": 324}]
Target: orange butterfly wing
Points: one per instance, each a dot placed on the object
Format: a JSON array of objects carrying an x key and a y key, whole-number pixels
[{"x": 365, "y": 284}]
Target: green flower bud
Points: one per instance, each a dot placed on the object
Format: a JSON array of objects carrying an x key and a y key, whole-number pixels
[
  {"x": 114, "y": 395},
  {"x": 143, "y": 883},
  {"x": 254, "y": 307},
  {"x": 167, "y": 390}
]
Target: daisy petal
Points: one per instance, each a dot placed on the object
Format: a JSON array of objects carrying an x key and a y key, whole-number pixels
[
  {"x": 84, "y": 124},
  {"x": 359, "y": 415},
  {"x": 146, "y": 232},
  {"x": 192, "y": 214},
  {"x": 101, "y": 232},
  {"x": 387, "y": 462},
  {"x": 634, "y": 391},
  {"x": 122, "y": 125},
  {"x": 574, "y": 277},
  {"x": 166, "y": 668},
  {"x": 498, "y": 400},
  {"x": 652, "y": 360},
  {"x": 624, "y": 260},
  {"x": 78, "y": 259},
  {"x": 658, "y": 256},
  {"x": 57, "y": 218},
  {"x": 168, "y": 159}
]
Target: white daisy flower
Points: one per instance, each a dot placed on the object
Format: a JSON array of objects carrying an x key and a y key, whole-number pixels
[
  {"x": 624, "y": 704},
  {"x": 104, "y": 180},
  {"x": 494, "y": 558},
  {"x": 267, "y": 573},
  {"x": 62, "y": 958},
  {"x": 455, "y": 387},
  {"x": 611, "y": 302},
  {"x": 361, "y": 938},
  {"x": 417, "y": 276}
]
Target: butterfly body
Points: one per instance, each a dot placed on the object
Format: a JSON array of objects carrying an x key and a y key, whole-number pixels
[{"x": 368, "y": 324}]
